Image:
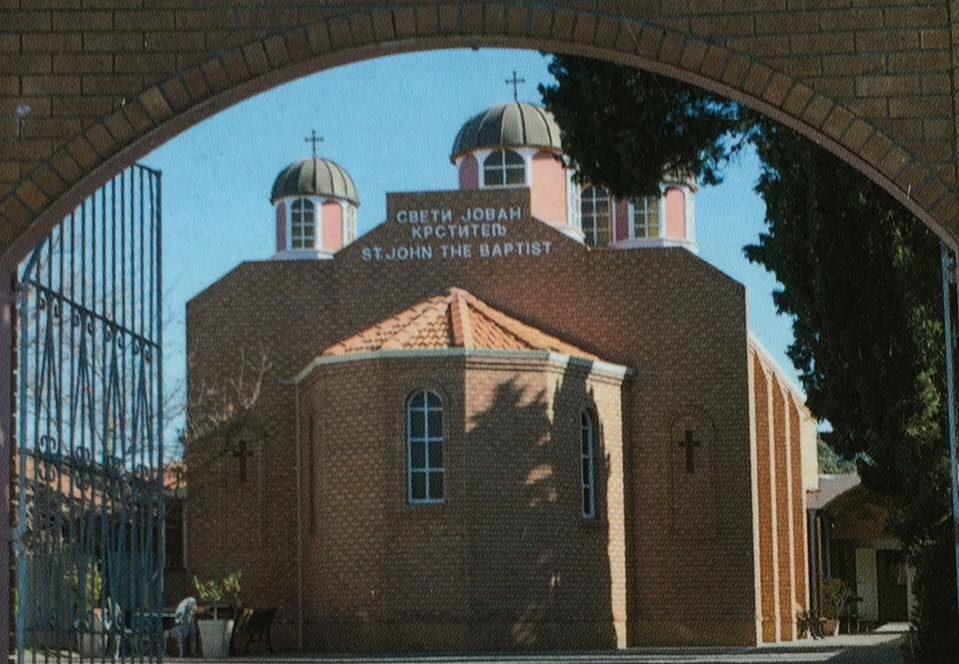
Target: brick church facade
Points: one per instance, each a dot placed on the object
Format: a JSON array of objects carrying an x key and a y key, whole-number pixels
[{"x": 520, "y": 414}]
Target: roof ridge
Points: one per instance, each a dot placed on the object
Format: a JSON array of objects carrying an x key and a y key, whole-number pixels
[
  {"x": 454, "y": 319},
  {"x": 527, "y": 334},
  {"x": 460, "y": 325}
]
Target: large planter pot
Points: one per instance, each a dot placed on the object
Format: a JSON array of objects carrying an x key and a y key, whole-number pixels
[
  {"x": 830, "y": 626},
  {"x": 91, "y": 645},
  {"x": 215, "y": 635}
]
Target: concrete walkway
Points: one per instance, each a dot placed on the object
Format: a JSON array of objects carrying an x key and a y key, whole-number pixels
[{"x": 881, "y": 647}]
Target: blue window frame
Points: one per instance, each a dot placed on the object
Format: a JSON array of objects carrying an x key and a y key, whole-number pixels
[{"x": 424, "y": 448}]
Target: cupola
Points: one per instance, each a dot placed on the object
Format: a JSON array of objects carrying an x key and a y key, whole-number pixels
[
  {"x": 519, "y": 145},
  {"x": 315, "y": 202}
]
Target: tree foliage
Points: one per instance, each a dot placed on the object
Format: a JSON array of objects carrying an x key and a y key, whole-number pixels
[
  {"x": 651, "y": 125},
  {"x": 860, "y": 279},
  {"x": 831, "y": 463}
]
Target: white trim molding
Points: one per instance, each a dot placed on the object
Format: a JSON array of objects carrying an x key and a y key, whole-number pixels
[{"x": 600, "y": 368}]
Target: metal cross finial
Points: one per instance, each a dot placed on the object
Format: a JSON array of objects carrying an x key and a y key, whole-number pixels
[
  {"x": 314, "y": 139},
  {"x": 515, "y": 83}
]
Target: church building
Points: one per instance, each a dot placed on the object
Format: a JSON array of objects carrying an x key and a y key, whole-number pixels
[{"x": 522, "y": 414}]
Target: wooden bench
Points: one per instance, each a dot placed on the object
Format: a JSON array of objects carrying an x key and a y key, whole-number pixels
[{"x": 255, "y": 625}]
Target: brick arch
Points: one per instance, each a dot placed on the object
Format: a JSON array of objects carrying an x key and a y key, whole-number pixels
[{"x": 150, "y": 117}]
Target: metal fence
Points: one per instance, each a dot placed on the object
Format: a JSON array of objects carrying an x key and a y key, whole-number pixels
[{"x": 89, "y": 454}]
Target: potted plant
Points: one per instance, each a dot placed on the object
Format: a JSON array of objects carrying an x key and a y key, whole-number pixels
[
  {"x": 804, "y": 624},
  {"x": 833, "y": 598},
  {"x": 216, "y": 630},
  {"x": 87, "y": 589}
]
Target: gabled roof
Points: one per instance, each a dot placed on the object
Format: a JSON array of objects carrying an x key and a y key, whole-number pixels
[
  {"x": 456, "y": 319},
  {"x": 830, "y": 488}
]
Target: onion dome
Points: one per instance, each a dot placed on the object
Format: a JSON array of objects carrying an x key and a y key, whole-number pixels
[
  {"x": 517, "y": 124},
  {"x": 314, "y": 177}
]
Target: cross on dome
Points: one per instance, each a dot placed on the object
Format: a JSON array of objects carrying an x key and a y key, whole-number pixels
[
  {"x": 314, "y": 139},
  {"x": 514, "y": 81}
]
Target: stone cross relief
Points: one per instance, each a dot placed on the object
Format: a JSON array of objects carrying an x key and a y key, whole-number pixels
[
  {"x": 242, "y": 453},
  {"x": 690, "y": 443}
]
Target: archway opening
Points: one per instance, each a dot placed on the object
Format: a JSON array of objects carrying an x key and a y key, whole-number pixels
[{"x": 696, "y": 429}]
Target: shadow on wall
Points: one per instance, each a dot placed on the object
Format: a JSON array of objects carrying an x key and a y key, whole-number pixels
[{"x": 540, "y": 570}]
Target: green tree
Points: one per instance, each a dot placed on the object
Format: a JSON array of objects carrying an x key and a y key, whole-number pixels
[
  {"x": 859, "y": 275},
  {"x": 649, "y": 125},
  {"x": 831, "y": 463}
]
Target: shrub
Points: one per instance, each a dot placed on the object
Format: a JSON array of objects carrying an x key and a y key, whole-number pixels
[{"x": 833, "y": 597}]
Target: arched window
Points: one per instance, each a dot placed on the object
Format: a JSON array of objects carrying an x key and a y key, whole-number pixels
[
  {"x": 586, "y": 450},
  {"x": 302, "y": 224},
  {"x": 646, "y": 217},
  {"x": 424, "y": 447},
  {"x": 504, "y": 168},
  {"x": 596, "y": 214}
]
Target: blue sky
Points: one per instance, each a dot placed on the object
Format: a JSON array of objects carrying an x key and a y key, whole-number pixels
[{"x": 390, "y": 122}]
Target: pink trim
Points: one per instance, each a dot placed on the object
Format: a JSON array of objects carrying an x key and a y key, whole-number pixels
[
  {"x": 622, "y": 221},
  {"x": 332, "y": 239},
  {"x": 469, "y": 173},
  {"x": 548, "y": 195},
  {"x": 675, "y": 213},
  {"x": 281, "y": 226}
]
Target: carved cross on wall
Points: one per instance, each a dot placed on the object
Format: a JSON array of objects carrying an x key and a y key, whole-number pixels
[
  {"x": 690, "y": 443},
  {"x": 242, "y": 453}
]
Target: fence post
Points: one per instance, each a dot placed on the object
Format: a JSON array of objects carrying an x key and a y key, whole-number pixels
[
  {"x": 7, "y": 323},
  {"x": 947, "y": 279}
]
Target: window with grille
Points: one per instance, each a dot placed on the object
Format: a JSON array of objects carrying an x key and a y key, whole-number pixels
[
  {"x": 596, "y": 216},
  {"x": 646, "y": 217},
  {"x": 302, "y": 224},
  {"x": 424, "y": 442},
  {"x": 504, "y": 168}
]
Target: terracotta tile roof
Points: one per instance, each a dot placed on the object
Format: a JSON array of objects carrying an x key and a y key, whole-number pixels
[{"x": 456, "y": 319}]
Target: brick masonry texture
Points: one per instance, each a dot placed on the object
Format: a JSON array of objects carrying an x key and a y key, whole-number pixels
[
  {"x": 507, "y": 561},
  {"x": 106, "y": 81}
]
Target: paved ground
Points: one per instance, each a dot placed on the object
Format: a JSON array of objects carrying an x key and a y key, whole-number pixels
[{"x": 875, "y": 648}]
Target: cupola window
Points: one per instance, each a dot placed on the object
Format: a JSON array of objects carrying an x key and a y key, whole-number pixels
[
  {"x": 645, "y": 221},
  {"x": 504, "y": 168},
  {"x": 350, "y": 224},
  {"x": 302, "y": 224},
  {"x": 596, "y": 215}
]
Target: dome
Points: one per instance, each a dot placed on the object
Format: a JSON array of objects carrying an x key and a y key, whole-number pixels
[
  {"x": 508, "y": 125},
  {"x": 314, "y": 177}
]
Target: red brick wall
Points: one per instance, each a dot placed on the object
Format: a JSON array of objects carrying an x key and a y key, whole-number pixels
[
  {"x": 767, "y": 536},
  {"x": 783, "y": 515},
  {"x": 781, "y": 499},
  {"x": 508, "y": 560},
  {"x": 800, "y": 539},
  {"x": 665, "y": 313},
  {"x": 109, "y": 79}
]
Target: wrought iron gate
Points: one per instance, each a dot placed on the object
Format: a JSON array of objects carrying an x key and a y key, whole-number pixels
[{"x": 89, "y": 530}]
